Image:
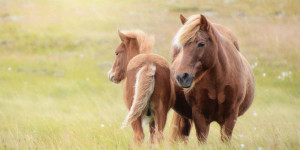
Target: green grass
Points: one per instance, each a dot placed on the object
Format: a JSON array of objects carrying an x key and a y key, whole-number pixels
[{"x": 54, "y": 58}]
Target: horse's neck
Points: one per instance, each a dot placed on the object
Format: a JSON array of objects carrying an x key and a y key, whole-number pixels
[
  {"x": 221, "y": 64},
  {"x": 225, "y": 59},
  {"x": 133, "y": 52}
]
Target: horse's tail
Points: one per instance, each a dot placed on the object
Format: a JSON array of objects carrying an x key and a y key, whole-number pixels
[{"x": 144, "y": 87}]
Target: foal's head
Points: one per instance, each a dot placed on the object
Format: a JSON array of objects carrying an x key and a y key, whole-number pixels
[
  {"x": 132, "y": 43},
  {"x": 196, "y": 48}
]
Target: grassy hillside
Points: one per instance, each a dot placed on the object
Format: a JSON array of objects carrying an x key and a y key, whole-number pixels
[{"x": 55, "y": 55}]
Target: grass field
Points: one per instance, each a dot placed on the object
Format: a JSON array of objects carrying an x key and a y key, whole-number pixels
[{"x": 55, "y": 55}]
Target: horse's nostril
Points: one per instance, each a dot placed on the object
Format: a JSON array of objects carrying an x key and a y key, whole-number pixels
[
  {"x": 185, "y": 75},
  {"x": 112, "y": 78},
  {"x": 178, "y": 78}
]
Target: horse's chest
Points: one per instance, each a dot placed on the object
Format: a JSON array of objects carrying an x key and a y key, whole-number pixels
[{"x": 208, "y": 105}]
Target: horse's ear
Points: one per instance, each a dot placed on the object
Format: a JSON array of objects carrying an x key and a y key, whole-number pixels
[
  {"x": 122, "y": 36},
  {"x": 182, "y": 19},
  {"x": 204, "y": 24}
]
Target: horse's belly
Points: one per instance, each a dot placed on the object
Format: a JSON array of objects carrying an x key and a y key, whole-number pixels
[{"x": 247, "y": 100}]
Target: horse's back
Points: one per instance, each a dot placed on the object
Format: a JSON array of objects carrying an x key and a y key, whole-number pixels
[
  {"x": 163, "y": 85},
  {"x": 147, "y": 58}
]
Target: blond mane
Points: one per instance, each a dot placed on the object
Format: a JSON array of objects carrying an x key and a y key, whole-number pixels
[
  {"x": 145, "y": 42},
  {"x": 187, "y": 31}
]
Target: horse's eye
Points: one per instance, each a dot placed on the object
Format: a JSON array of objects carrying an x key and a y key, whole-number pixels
[
  {"x": 117, "y": 53},
  {"x": 200, "y": 45}
]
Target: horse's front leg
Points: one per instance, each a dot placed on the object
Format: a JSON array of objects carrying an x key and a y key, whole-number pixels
[
  {"x": 201, "y": 124},
  {"x": 138, "y": 131},
  {"x": 227, "y": 127}
]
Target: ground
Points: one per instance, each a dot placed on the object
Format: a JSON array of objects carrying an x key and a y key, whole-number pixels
[{"x": 55, "y": 55}]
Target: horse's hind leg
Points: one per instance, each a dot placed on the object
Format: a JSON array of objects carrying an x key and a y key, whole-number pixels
[
  {"x": 152, "y": 131},
  {"x": 160, "y": 120},
  {"x": 138, "y": 131},
  {"x": 180, "y": 127}
]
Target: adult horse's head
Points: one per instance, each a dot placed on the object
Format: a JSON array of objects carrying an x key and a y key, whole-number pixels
[
  {"x": 195, "y": 50},
  {"x": 132, "y": 43}
]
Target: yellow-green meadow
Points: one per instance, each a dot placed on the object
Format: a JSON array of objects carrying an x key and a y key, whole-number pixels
[{"x": 55, "y": 55}]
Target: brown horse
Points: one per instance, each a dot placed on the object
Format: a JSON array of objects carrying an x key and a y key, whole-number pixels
[
  {"x": 148, "y": 92},
  {"x": 218, "y": 81}
]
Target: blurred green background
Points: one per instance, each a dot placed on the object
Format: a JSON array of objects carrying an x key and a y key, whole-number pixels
[{"x": 55, "y": 55}]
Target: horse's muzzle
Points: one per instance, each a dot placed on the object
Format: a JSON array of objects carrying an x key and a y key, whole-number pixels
[
  {"x": 111, "y": 78},
  {"x": 185, "y": 80}
]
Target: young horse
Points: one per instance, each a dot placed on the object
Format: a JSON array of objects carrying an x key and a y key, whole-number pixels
[
  {"x": 218, "y": 80},
  {"x": 148, "y": 91}
]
